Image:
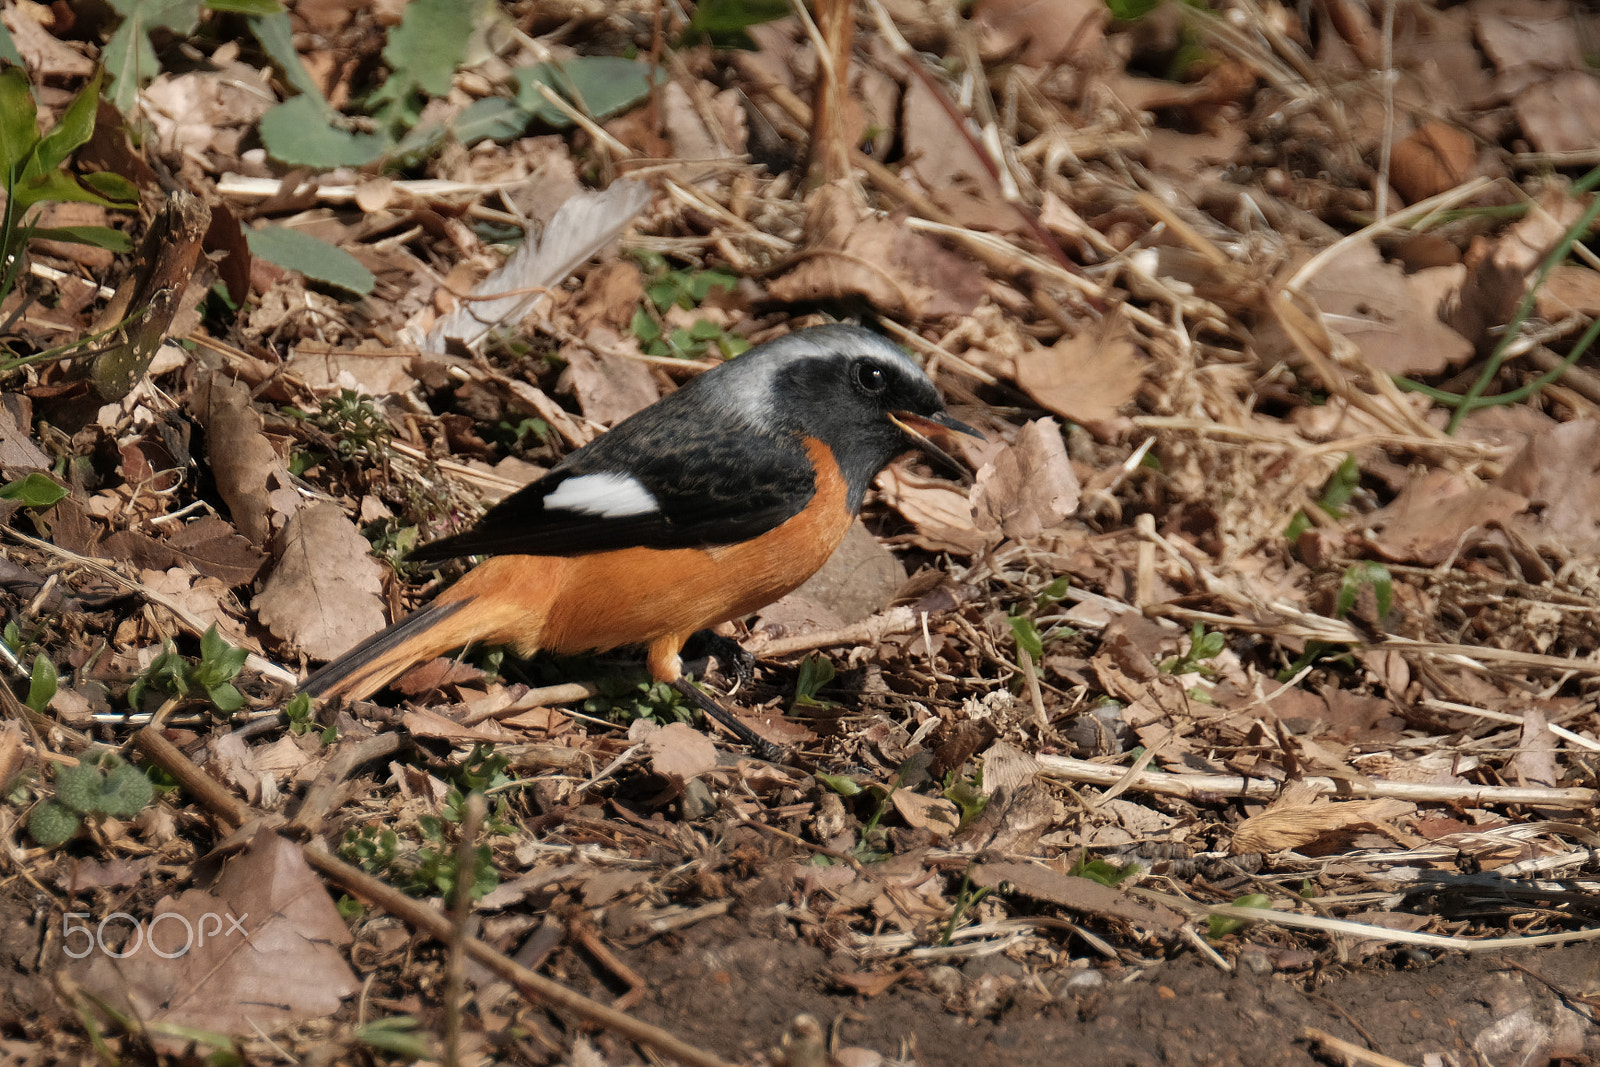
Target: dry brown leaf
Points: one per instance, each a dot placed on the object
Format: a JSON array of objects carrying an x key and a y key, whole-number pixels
[
  {"x": 608, "y": 384},
  {"x": 1561, "y": 114},
  {"x": 1567, "y": 290},
  {"x": 17, "y": 448},
  {"x": 1086, "y": 378},
  {"x": 324, "y": 594},
  {"x": 367, "y": 368},
  {"x": 1430, "y": 519},
  {"x": 678, "y": 750},
  {"x": 934, "y": 814},
  {"x": 1435, "y": 158},
  {"x": 1534, "y": 763},
  {"x": 424, "y": 722},
  {"x": 1559, "y": 471},
  {"x": 1038, "y": 33},
  {"x": 209, "y": 545},
  {"x": 1029, "y": 487},
  {"x": 206, "y": 599},
  {"x": 1391, "y": 316},
  {"x": 860, "y": 579},
  {"x": 857, "y": 255},
  {"x": 1297, "y": 819},
  {"x": 1080, "y": 894},
  {"x": 245, "y": 465},
  {"x": 263, "y": 951},
  {"x": 940, "y": 512}
]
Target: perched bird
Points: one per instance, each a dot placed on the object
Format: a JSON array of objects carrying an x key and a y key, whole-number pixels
[{"x": 707, "y": 505}]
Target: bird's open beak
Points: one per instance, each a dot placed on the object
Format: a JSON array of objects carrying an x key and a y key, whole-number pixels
[{"x": 932, "y": 434}]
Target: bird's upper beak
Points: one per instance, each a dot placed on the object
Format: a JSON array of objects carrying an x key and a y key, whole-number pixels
[{"x": 932, "y": 434}]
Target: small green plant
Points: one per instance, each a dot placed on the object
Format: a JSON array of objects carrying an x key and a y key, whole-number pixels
[
  {"x": 1097, "y": 870},
  {"x": 103, "y": 788},
  {"x": 688, "y": 290},
  {"x": 301, "y": 719},
  {"x": 625, "y": 701},
  {"x": 1222, "y": 925},
  {"x": 354, "y": 423},
  {"x": 815, "y": 672},
  {"x": 213, "y": 674},
  {"x": 1203, "y": 646},
  {"x": 37, "y": 490},
  {"x": 42, "y": 683},
  {"x": 1357, "y": 576},
  {"x": 967, "y": 795},
  {"x": 371, "y": 848},
  {"x": 966, "y": 899},
  {"x": 1336, "y": 494},
  {"x": 32, "y": 168},
  {"x": 1025, "y": 631}
]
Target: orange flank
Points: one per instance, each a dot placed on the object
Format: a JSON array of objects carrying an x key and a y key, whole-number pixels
[{"x": 570, "y": 604}]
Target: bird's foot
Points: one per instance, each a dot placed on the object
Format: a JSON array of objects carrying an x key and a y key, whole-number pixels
[
  {"x": 734, "y": 659},
  {"x": 760, "y": 746}
]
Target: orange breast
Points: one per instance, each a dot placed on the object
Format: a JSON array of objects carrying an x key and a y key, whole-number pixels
[{"x": 653, "y": 596}]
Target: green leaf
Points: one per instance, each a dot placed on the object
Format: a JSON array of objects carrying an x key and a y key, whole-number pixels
[
  {"x": 1100, "y": 871},
  {"x": 724, "y": 21},
  {"x": 226, "y": 698},
  {"x": 98, "y": 236},
  {"x": 1027, "y": 636},
  {"x": 128, "y": 57},
  {"x": 37, "y": 490},
  {"x": 300, "y": 132},
  {"x": 1358, "y": 575},
  {"x": 114, "y": 187},
  {"x": 645, "y": 328},
  {"x": 258, "y": 8},
  {"x": 602, "y": 86},
  {"x": 815, "y": 672},
  {"x": 494, "y": 118},
  {"x": 62, "y": 186},
  {"x": 845, "y": 787},
  {"x": 19, "y": 134},
  {"x": 315, "y": 259},
  {"x": 51, "y": 824},
  {"x": 1223, "y": 925},
  {"x": 431, "y": 39},
  {"x": 664, "y": 294},
  {"x": 1130, "y": 10},
  {"x": 8, "y": 47},
  {"x": 127, "y": 791},
  {"x": 75, "y": 127},
  {"x": 277, "y": 40},
  {"x": 42, "y": 683},
  {"x": 395, "y": 1036}
]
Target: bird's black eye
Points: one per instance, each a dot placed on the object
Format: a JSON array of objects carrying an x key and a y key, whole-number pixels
[{"x": 869, "y": 376}]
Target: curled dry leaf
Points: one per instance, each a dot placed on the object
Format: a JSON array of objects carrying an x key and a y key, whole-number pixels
[
  {"x": 242, "y": 460},
  {"x": 1086, "y": 378},
  {"x": 324, "y": 593},
  {"x": 1294, "y": 822},
  {"x": 938, "y": 510},
  {"x": 858, "y": 256},
  {"x": 1558, "y": 471},
  {"x": 1028, "y": 487}
]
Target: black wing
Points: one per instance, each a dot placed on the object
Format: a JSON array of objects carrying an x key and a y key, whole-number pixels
[{"x": 709, "y": 486}]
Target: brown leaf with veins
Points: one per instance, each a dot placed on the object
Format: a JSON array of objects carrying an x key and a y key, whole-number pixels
[
  {"x": 1393, "y": 317},
  {"x": 1086, "y": 378},
  {"x": 324, "y": 595},
  {"x": 259, "y": 951},
  {"x": 1029, "y": 487}
]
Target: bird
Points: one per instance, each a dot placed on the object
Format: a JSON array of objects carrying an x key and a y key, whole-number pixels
[{"x": 703, "y": 507}]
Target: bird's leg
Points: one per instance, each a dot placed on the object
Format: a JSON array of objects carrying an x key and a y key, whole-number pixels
[
  {"x": 762, "y": 748},
  {"x": 732, "y": 656}
]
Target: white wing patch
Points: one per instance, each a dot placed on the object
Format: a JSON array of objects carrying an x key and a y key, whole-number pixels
[{"x": 608, "y": 495}]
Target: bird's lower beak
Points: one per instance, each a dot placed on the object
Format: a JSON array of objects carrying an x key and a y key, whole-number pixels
[{"x": 932, "y": 434}]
